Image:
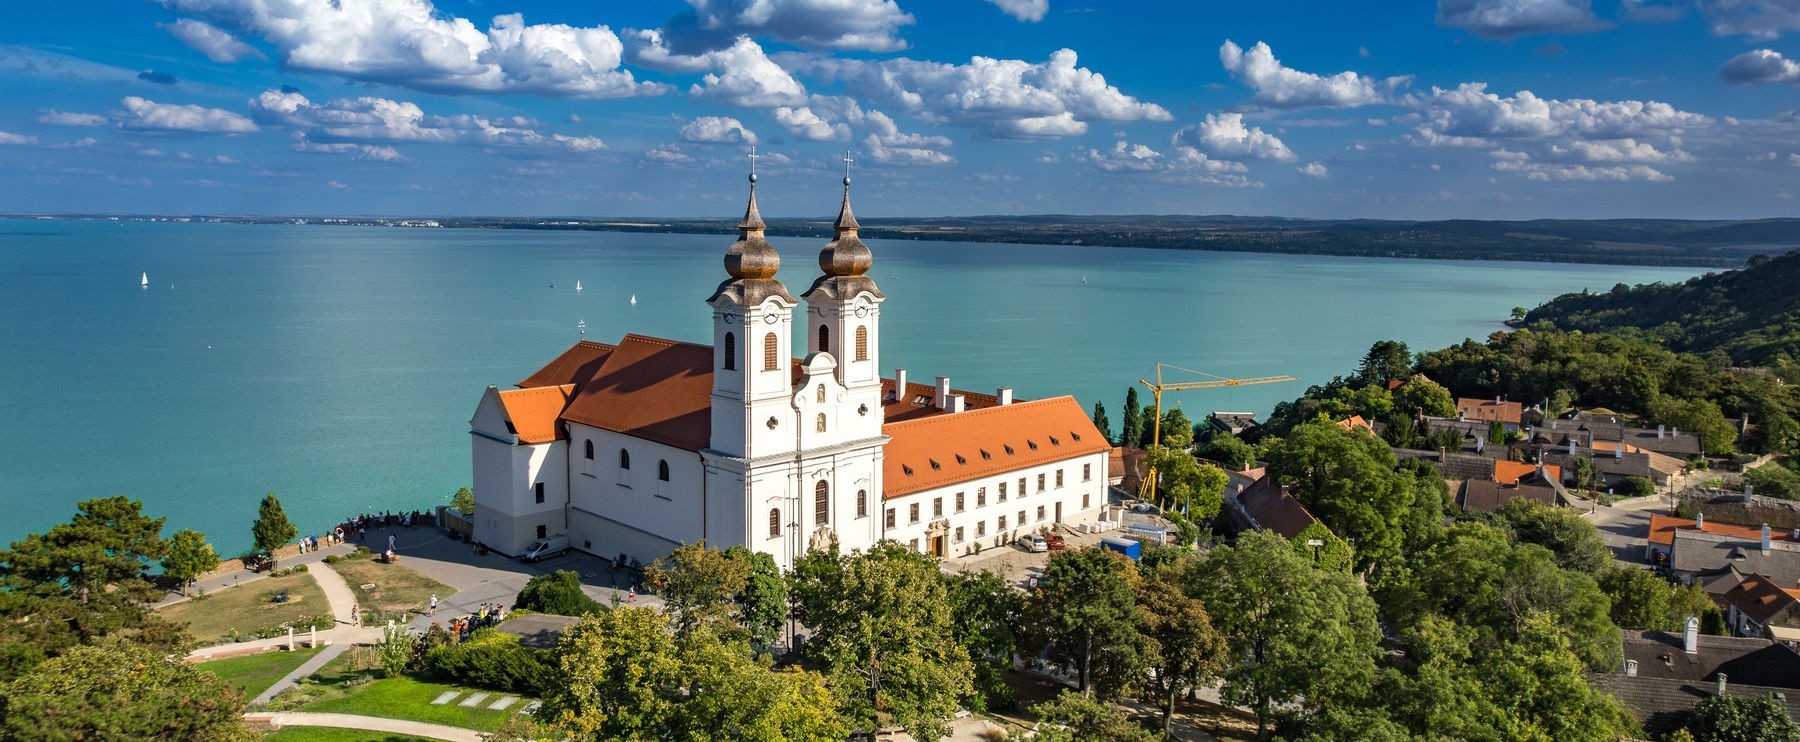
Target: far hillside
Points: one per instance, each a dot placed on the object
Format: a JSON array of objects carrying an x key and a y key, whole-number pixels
[{"x": 1752, "y": 315}]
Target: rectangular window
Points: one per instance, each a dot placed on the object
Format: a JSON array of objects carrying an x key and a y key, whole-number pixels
[
  {"x": 1084, "y": 502},
  {"x": 959, "y": 534},
  {"x": 1000, "y": 524},
  {"x": 937, "y": 507},
  {"x": 1040, "y": 513},
  {"x": 1040, "y": 483},
  {"x": 543, "y": 531},
  {"x": 1022, "y": 520},
  {"x": 1003, "y": 492},
  {"x": 889, "y": 521},
  {"x": 981, "y": 497},
  {"x": 1087, "y": 472},
  {"x": 537, "y": 491},
  {"x": 1021, "y": 486},
  {"x": 1059, "y": 479},
  {"x": 913, "y": 511},
  {"x": 959, "y": 504},
  {"x": 980, "y": 528},
  {"x": 914, "y": 545},
  {"x": 862, "y": 503}
]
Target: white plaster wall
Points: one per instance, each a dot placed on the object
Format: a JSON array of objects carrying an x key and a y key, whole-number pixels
[
  {"x": 1070, "y": 494},
  {"x": 636, "y": 498}
]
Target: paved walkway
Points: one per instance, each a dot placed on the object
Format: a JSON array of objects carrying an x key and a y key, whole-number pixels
[
  {"x": 239, "y": 577},
  {"x": 311, "y": 666},
  {"x": 337, "y": 592},
  {"x": 372, "y": 723}
]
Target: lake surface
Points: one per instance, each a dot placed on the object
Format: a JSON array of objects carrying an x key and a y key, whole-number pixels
[{"x": 338, "y": 366}]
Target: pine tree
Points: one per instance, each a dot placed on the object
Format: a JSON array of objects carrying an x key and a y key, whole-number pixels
[
  {"x": 1100, "y": 420},
  {"x": 1132, "y": 435},
  {"x": 272, "y": 529}
]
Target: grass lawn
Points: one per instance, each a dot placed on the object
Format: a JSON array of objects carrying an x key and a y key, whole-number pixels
[
  {"x": 247, "y": 607},
  {"x": 329, "y": 734},
  {"x": 397, "y": 587},
  {"x": 336, "y": 690},
  {"x": 254, "y": 673}
]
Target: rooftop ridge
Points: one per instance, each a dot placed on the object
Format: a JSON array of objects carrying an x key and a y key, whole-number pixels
[{"x": 983, "y": 411}]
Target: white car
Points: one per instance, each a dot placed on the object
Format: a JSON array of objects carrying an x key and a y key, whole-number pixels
[{"x": 1037, "y": 544}]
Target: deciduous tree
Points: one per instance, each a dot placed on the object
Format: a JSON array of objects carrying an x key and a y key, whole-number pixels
[
  {"x": 1181, "y": 648},
  {"x": 1229, "y": 450},
  {"x": 189, "y": 557},
  {"x": 1347, "y": 479},
  {"x": 1742, "y": 719},
  {"x": 116, "y": 690},
  {"x": 1575, "y": 541},
  {"x": 463, "y": 501},
  {"x": 1074, "y": 717},
  {"x": 762, "y": 605},
  {"x": 986, "y": 613},
  {"x": 698, "y": 586},
  {"x": 1084, "y": 612},
  {"x": 272, "y": 530},
  {"x": 557, "y": 593}
]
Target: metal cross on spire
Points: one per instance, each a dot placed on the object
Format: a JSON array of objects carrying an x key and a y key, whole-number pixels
[
  {"x": 582, "y": 327},
  {"x": 753, "y": 157},
  {"x": 847, "y": 161}
]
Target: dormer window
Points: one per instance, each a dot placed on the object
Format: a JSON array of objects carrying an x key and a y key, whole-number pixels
[
  {"x": 921, "y": 400},
  {"x": 961, "y": 460},
  {"x": 1075, "y": 435},
  {"x": 906, "y": 469},
  {"x": 985, "y": 456},
  {"x": 1032, "y": 444},
  {"x": 1054, "y": 441},
  {"x": 935, "y": 466},
  {"x": 1009, "y": 449}
]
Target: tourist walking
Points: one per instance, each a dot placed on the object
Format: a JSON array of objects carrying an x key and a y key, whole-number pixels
[{"x": 433, "y": 606}]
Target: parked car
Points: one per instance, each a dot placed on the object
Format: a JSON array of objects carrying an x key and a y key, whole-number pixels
[
  {"x": 1055, "y": 540},
  {"x": 1034, "y": 543},
  {"x": 546, "y": 548}
]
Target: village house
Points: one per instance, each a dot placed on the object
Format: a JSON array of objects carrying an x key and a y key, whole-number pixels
[{"x": 1663, "y": 676}]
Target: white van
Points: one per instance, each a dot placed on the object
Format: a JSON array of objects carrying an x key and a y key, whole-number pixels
[{"x": 546, "y": 548}]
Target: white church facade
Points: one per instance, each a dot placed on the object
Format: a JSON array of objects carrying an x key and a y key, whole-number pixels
[{"x": 639, "y": 447}]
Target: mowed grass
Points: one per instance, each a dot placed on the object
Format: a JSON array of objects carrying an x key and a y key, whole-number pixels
[
  {"x": 254, "y": 673},
  {"x": 397, "y": 587},
  {"x": 335, "y": 692},
  {"x": 329, "y": 734},
  {"x": 246, "y": 609}
]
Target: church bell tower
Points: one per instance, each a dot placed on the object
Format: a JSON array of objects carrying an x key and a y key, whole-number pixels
[{"x": 753, "y": 326}]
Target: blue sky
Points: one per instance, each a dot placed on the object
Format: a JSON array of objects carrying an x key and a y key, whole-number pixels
[{"x": 1460, "y": 108}]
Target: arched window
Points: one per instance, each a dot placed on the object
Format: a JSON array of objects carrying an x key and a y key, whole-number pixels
[
  {"x": 662, "y": 469},
  {"x": 587, "y": 450},
  {"x": 824, "y": 338},
  {"x": 769, "y": 352},
  {"x": 820, "y": 425},
  {"x": 821, "y": 394},
  {"x": 862, "y": 503},
  {"x": 821, "y": 503},
  {"x": 624, "y": 459},
  {"x": 862, "y": 343},
  {"x": 730, "y": 352},
  {"x": 774, "y": 522}
]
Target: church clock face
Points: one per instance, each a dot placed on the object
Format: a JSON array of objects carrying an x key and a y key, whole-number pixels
[
  {"x": 862, "y": 312},
  {"x": 770, "y": 319}
]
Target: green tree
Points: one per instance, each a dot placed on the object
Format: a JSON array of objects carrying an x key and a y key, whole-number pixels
[
  {"x": 1177, "y": 430},
  {"x": 1299, "y": 636},
  {"x": 1422, "y": 396},
  {"x": 189, "y": 557},
  {"x": 1330, "y": 552},
  {"x": 886, "y": 640},
  {"x": 1084, "y": 613},
  {"x": 619, "y": 677},
  {"x": 1742, "y": 719},
  {"x": 1074, "y": 717},
  {"x": 1496, "y": 433},
  {"x": 557, "y": 593},
  {"x": 1386, "y": 360},
  {"x": 272, "y": 530},
  {"x": 698, "y": 586},
  {"x": 762, "y": 605},
  {"x": 1181, "y": 648},
  {"x": 1643, "y": 601},
  {"x": 729, "y": 696},
  {"x": 986, "y": 613},
  {"x": 1131, "y": 432},
  {"x": 1100, "y": 422},
  {"x": 116, "y": 690},
  {"x": 1518, "y": 314},
  {"x": 395, "y": 650},
  {"x": 1229, "y": 450},
  {"x": 1349, "y": 480},
  {"x": 1635, "y": 487},
  {"x": 463, "y": 501},
  {"x": 1700, "y": 416},
  {"x": 1575, "y": 541},
  {"x": 1581, "y": 469},
  {"x": 1197, "y": 489}
]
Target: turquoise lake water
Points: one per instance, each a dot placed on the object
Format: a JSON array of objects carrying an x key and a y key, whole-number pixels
[{"x": 338, "y": 366}]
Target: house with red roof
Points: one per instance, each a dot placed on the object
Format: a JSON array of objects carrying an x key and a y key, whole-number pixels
[{"x": 637, "y": 447}]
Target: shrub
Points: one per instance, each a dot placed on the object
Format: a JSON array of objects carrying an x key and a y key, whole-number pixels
[
  {"x": 331, "y": 559},
  {"x": 490, "y": 659},
  {"x": 1634, "y": 487},
  {"x": 558, "y": 592}
]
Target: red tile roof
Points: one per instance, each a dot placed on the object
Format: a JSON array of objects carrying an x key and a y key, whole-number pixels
[
  {"x": 1761, "y": 597},
  {"x": 1663, "y": 528},
  {"x": 1356, "y": 422},
  {"x": 534, "y": 412},
  {"x": 1487, "y": 409},
  {"x": 946, "y": 449},
  {"x": 1274, "y": 509},
  {"x": 1509, "y": 472}
]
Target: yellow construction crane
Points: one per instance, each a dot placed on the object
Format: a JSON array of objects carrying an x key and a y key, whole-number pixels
[{"x": 1147, "y": 490}]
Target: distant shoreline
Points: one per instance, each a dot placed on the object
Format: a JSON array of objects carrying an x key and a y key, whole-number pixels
[{"x": 1682, "y": 243}]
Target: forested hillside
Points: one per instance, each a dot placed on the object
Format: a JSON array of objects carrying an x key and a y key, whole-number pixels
[{"x": 1751, "y": 314}]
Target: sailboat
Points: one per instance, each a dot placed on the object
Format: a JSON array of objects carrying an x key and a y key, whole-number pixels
[
  {"x": 577, "y": 284},
  {"x": 634, "y": 300},
  {"x": 144, "y": 280}
]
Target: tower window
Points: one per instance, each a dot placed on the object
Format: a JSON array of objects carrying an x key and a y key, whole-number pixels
[
  {"x": 820, "y": 424},
  {"x": 624, "y": 459},
  {"x": 821, "y": 503},
  {"x": 537, "y": 491},
  {"x": 824, "y": 338},
  {"x": 730, "y": 352},
  {"x": 862, "y": 343},
  {"x": 770, "y": 351},
  {"x": 774, "y": 522},
  {"x": 587, "y": 450},
  {"x": 662, "y": 469},
  {"x": 862, "y": 503}
]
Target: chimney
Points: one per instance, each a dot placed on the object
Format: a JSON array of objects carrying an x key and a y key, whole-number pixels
[
  {"x": 1768, "y": 539},
  {"x": 1747, "y": 492},
  {"x": 1618, "y": 450},
  {"x": 1660, "y": 431},
  {"x": 1552, "y": 424},
  {"x": 1721, "y": 686},
  {"x": 1004, "y": 394},
  {"x": 1676, "y": 431},
  {"x": 1496, "y": 399},
  {"x": 1690, "y": 639},
  {"x": 1571, "y": 446},
  {"x": 1700, "y": 521},
  {"x": 1631, "y": 668},
  {"x": 899, "y": 383},
  {"x": 956, "y": 403},
  {"x": 1480, "y": 444},
  {"x": 941, "y": 399}
]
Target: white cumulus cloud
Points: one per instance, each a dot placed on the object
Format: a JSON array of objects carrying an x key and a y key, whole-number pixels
[
  {"x": 1504, "y": 19},
  {"x": 147, "y": 115},
  {"x": 740, "y": 74},
  {"x": 717, "y": 130},
  {"x": 900, "y": 154},
  {"x": 1314, "y": 169},
  {"x": 65, "y": 118},
  {"x": 1761, "y": 66},
  {"x": 1225, "y": 134},
  {"x": 414, "y": 44},
  {"x": 369, "y": 120},
  {"x": 1002, "y": 98},
  {"x": 1758, "y": 19},
  {"x": 210, "y": 40},
  {"x": 1277, "y": 86},
  {"x": 807, "y": 124},
  {"x": 1030, "y": 11},
  {"x": 7, "y": 137},
  {"x": 870, "y": 25}
]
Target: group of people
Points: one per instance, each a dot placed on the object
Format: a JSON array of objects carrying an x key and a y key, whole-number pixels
[{"x": 489, "y": 614}]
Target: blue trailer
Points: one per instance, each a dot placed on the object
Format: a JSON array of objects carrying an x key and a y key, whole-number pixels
[{"x": 1131, "y": 549}]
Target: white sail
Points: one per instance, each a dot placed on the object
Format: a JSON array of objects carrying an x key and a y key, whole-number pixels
[
  {"x": 144, "y": 280},
  {"x": 634, "y": 299},
  {"x": 577, "y": 284}
]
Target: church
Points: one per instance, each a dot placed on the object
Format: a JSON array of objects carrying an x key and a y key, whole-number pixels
[{"x": 638, "y": 447}]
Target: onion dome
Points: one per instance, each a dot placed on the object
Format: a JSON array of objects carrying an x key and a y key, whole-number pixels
[
  {"x": 845, "y": 259},
  {"x": 751, "y": 261}
]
